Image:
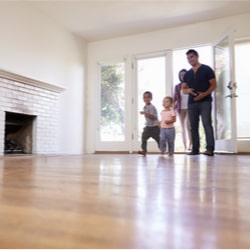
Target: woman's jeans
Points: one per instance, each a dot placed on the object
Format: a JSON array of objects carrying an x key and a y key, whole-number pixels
[
  {"x": 203, "y": 109},
  {"x": 167, "y": 137}
]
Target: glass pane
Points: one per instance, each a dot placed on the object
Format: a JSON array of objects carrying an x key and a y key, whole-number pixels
[
  {"x": 223, "y": 103},
  {"x": 150, "y": 77},
  {"x": 242, "y": 54},
  {"x": 112, "y": 124}
]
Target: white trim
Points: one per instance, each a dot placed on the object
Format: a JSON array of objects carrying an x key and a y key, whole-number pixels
[
  {"x": 195, "y": 46},
  {"x": 150, "y": 55},
  {"x": 242, "y": 40},
  {"x": 26, "y": 80},
  {"x": 111, "y": 61}
]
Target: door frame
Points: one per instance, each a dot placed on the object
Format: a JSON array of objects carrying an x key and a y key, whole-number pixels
[
  {"x": 113, "y": 146},
  {"x": 135, "y": 144}
]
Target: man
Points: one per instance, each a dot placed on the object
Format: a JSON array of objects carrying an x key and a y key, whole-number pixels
[{"x": 199, "y": 83}]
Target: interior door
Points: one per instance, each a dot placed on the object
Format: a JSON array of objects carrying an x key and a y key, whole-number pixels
[{"x": 225, "y": 96}]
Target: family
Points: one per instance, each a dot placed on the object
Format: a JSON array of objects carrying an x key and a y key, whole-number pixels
[{"x": 192, "y": 100}]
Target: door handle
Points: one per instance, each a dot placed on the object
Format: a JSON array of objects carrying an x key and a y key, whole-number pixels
[
  {"x": 232, "y": 85},
  {"x": 231, "y": 95},
  {"x": 229, "y": 86}
]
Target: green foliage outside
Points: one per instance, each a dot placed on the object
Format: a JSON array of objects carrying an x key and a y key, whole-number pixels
[{"x": 112, "y": 95}]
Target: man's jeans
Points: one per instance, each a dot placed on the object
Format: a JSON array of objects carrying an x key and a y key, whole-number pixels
[{"x": 203, "y": 109}]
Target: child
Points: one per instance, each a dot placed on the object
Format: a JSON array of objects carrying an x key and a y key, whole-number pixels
[
  {"x": 151, "y": 129},
  {"x": 167, "y": 129}
]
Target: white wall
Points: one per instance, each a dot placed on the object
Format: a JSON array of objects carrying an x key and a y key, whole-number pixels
[
  {"x": 33, "y": 45},
  {"x": 181, "y": 37}
]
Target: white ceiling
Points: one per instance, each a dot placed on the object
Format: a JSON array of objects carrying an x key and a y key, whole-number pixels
[{"x": 96, "y": 20}]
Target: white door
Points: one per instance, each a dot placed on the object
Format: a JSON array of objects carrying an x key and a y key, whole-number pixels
[
  {"x": 225, "y": 96},
  {"x": 113, "y": 120},
  {"x": 150, "y": 75}
]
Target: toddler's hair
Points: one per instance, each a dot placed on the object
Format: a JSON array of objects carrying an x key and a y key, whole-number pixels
[
  {"x": 148, "y": 93},
  {"x": 168, "y": 98}
]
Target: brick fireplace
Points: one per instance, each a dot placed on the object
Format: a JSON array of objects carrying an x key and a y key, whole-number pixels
[{"x": 28, "y": 114}]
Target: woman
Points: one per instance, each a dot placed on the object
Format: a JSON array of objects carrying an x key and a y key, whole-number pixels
[{"x": 180, "y": 104}]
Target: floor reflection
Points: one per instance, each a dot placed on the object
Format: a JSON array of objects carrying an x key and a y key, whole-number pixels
[{"x": 126, "y": 201}]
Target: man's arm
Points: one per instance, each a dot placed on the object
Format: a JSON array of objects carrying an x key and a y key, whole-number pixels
[
  {"x": 187, "y": 90},
  {"x": 210, "y": 90}
]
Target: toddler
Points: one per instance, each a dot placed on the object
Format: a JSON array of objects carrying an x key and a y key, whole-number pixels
[
  {"x": 151, "y": 129},
  {"x": 167, "y": 129}
]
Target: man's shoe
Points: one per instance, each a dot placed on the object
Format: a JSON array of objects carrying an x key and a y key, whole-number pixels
[
  {"x": 193, "y": 153},
  {"x": 142, "y": 153},
  {"x": 209, "y": 153}
]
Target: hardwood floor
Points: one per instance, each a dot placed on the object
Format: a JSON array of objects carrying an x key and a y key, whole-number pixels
[{"x": 125, "y": 201}]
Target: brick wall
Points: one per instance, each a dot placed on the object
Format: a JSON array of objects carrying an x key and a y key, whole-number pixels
[{"x": 19, "y": 97}]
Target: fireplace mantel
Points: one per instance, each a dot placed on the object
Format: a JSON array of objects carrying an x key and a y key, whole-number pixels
[
  {"x": 25, "y": 96},
  {"x": 26, "y": 80}
]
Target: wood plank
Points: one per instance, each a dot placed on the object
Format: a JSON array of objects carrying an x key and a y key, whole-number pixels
[{"x": 125, "y": 201}]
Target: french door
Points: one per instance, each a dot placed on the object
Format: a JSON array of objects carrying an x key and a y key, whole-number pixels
[
  {"x": 121, "y": 89},
  {"x": 113, "y": 116},
  {"x": 150, "y": 75},
  {"x": 225, "y": 96}
]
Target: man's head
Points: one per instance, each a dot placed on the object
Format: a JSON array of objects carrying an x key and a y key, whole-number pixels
[{"x": 193, "y": 57}]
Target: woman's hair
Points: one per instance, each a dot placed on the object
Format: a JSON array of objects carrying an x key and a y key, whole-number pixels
[{"x": 183, "y": 70}]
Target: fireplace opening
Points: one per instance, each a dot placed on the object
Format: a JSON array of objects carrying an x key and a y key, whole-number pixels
[{"x": 18, "y": 133}]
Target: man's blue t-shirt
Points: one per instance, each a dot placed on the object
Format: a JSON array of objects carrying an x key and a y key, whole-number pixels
[{"x": 199, "y": 81}]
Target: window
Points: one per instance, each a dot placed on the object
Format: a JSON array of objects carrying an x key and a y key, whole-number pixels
[
  {"x": 242, "y": 54},
  {"x": 112, "y": 102}
]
